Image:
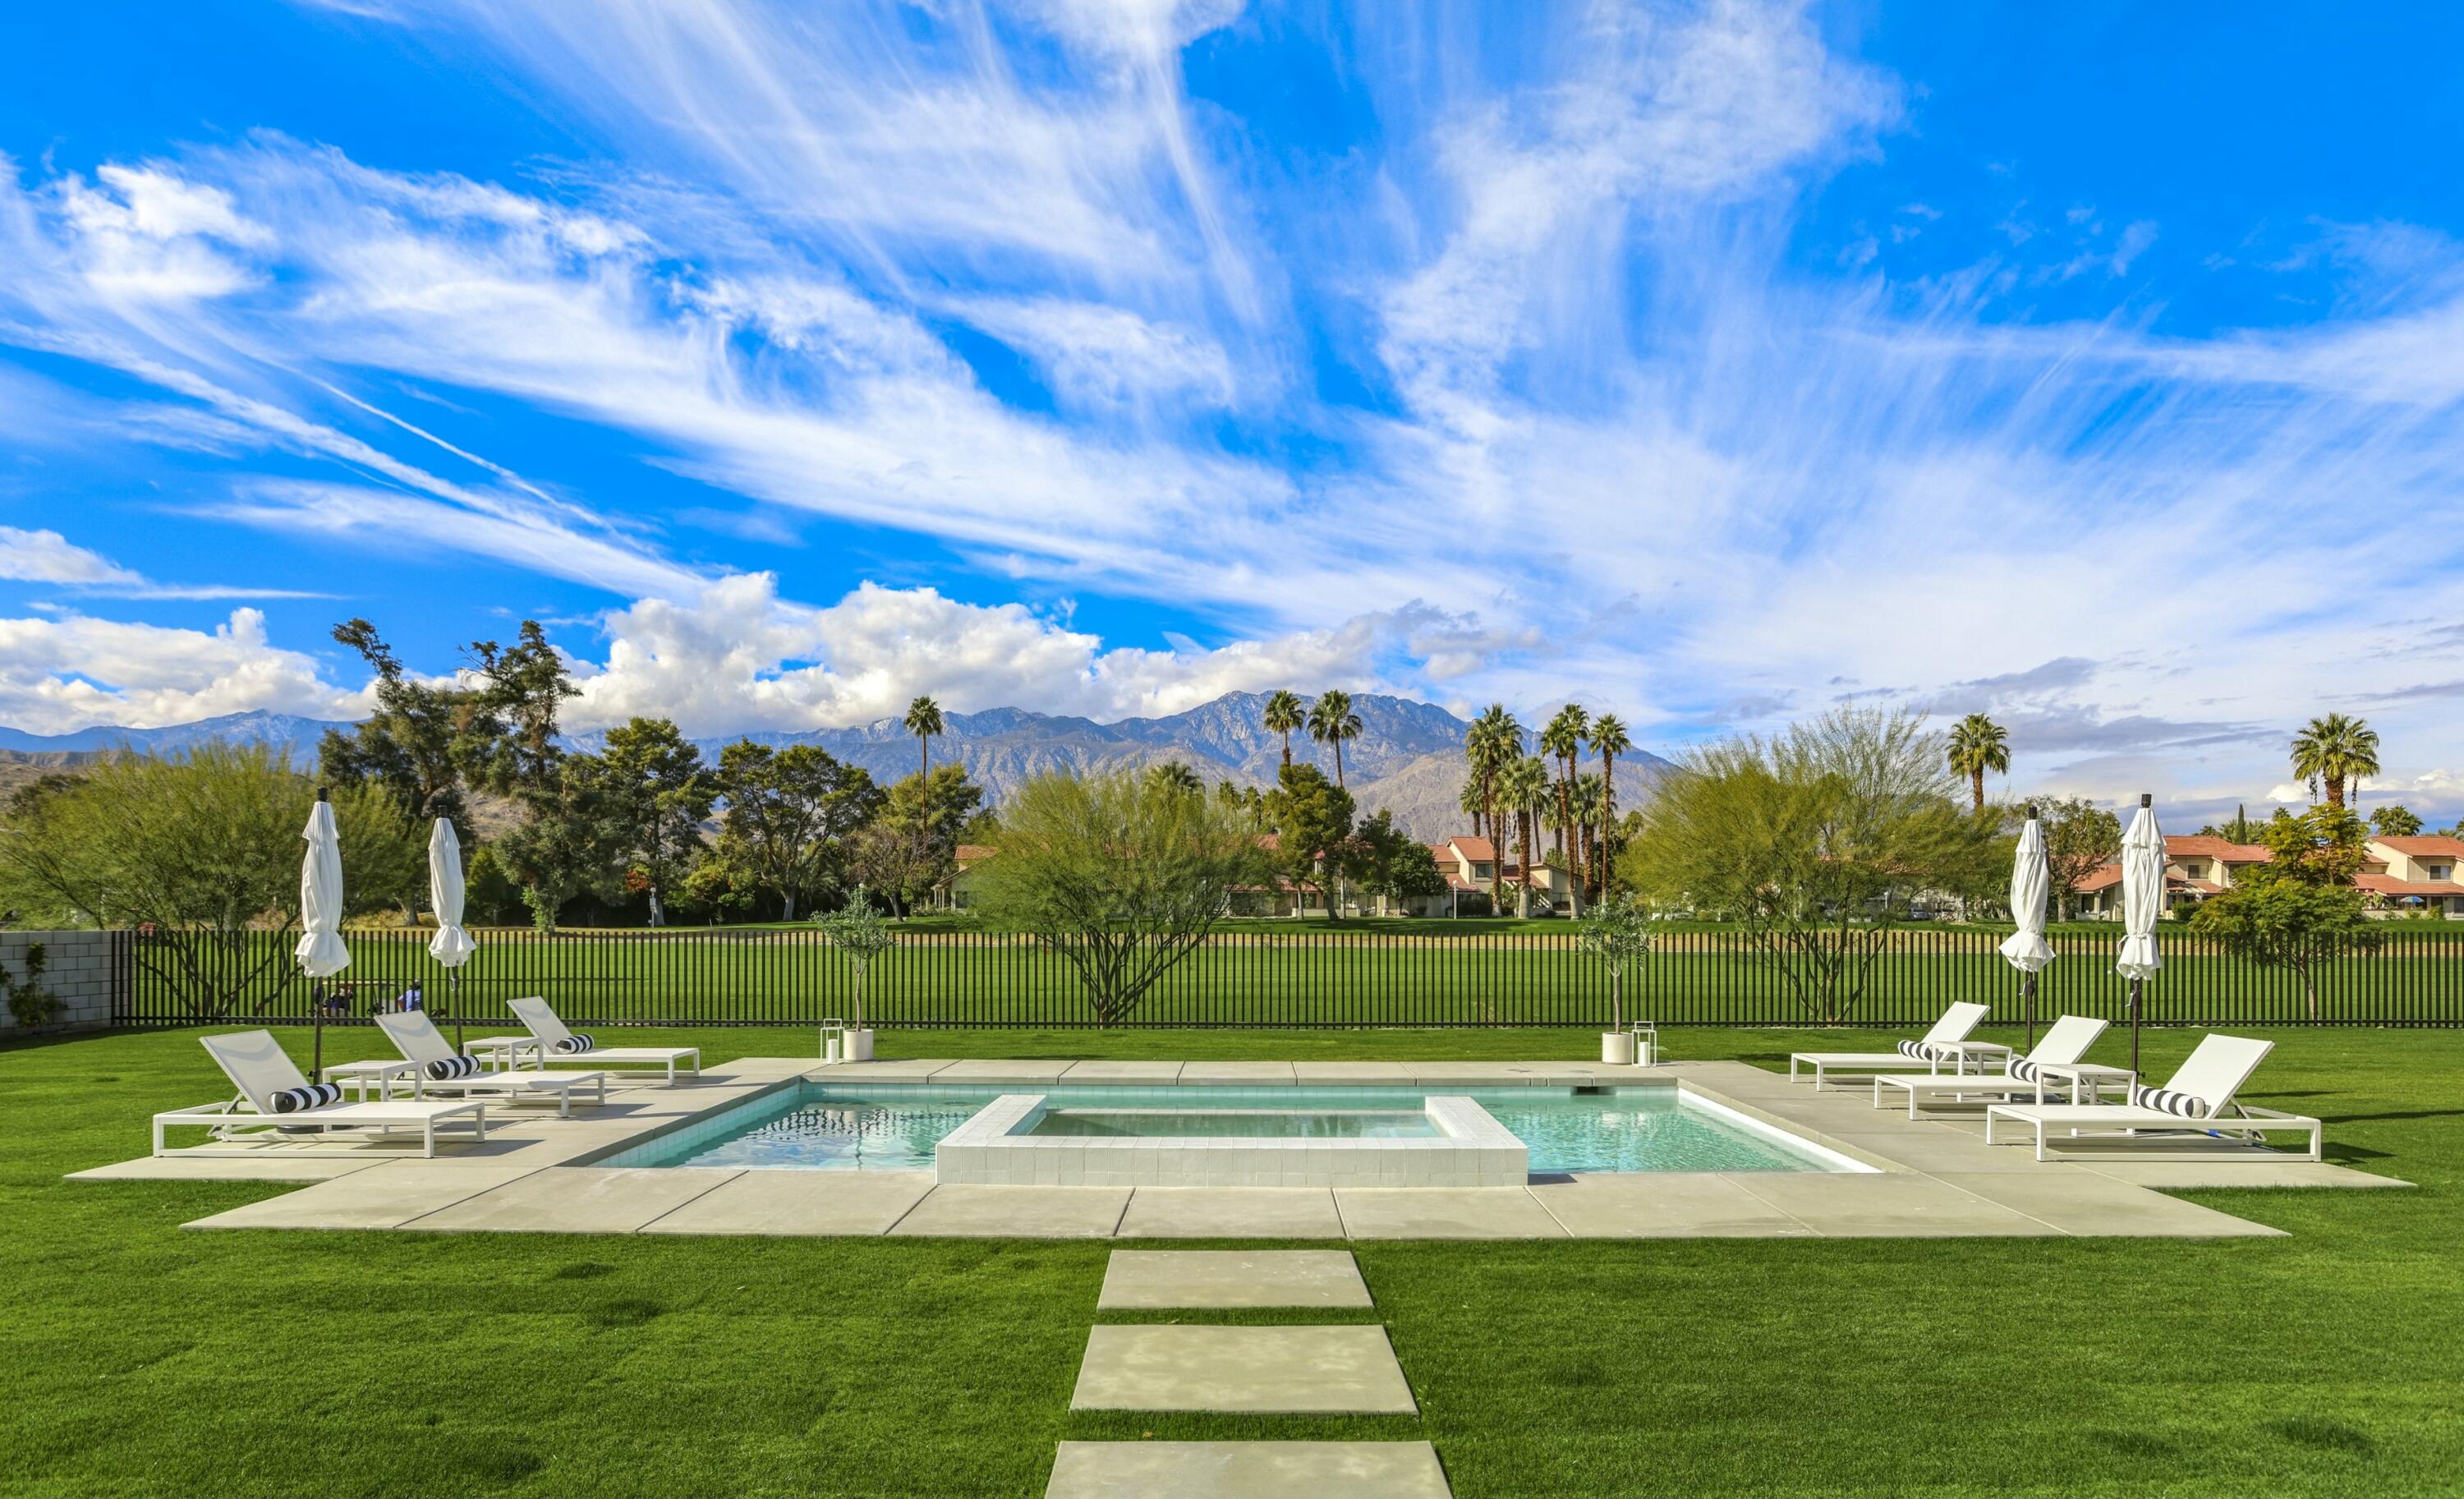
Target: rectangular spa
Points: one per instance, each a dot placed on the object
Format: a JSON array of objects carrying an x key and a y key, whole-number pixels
[
  {"x": 1023, "y": 1140},
  {"x": 828, "y": 1123}
]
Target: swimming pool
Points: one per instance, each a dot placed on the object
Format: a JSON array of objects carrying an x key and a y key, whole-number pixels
[{"x": 885, "y": 1127}]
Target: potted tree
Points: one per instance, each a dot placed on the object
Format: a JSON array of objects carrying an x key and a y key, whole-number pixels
[
  {"x": 1618, "y": 931},
  {"x": 859, "y": 932}
]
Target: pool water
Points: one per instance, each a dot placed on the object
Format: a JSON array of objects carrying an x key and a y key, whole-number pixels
[
  {"x": 1235, "y": 1124},
  {"x": 821, "y": 1127}
]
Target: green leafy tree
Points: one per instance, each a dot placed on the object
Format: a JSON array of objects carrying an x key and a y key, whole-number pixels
[
  {"x": 197, "y": 852},
  {"x": 1978, "y": 744},
  {"x": 789, "y": 813},
  {"x": 1590, "y": 802},
  {"x": 720, "y": 886},
  {"x": 858, "y": 931},
  {"x": 904, "y": 863},
  {"x": 491, "y": 897},
  {"x": 1332, "y": 722},
  {"x": 2335, "y": 749},
  {"x": 521, "y": 693},
  {"x": 2081, "y": 837},
  {"x": 2300, "y": 907},
  {"x": 1815, "y": 841},
  {"x": 1122, "y": 878},
  {"x": 418, "y": 740},
  {"x": 1313, "y": 819},
  {"x": 572, "y": 841},
  {"x": 939, "y": 814},
  {"x": 2395, "y": 820},
  {"x": 1384, "y": 860},
  {"x": 1285, "y": 714},
  {"x": 2239, "y": 831},
  {"x": 1563, "y": 737},
  {"x": 31, "y": 1004},
  {"x": 1617, "y": 933},
  {"x": 657, "y": 791}
]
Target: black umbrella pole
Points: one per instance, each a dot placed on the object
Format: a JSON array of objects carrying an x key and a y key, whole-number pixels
[
  {"x": 453, "y": 997},
  {"x": 2028, "y": 989}
]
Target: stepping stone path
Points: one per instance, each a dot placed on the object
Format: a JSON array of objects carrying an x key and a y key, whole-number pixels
[
  {"x": 1315, "y": 1369},
  {"x": 1145, "y": 1280}
]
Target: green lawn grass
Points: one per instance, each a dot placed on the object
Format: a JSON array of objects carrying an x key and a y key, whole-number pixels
[{"x": 143, "y": 1359}]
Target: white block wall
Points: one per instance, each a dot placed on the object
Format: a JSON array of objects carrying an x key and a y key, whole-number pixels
[{"x": 76, "y": 972}]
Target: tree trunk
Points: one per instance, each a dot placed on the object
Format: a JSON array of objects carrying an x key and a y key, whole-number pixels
[
  {"x": 1976, "y": 786},
  {"x": 787, "y": 906},
  {"x": 2335, "y": 791},
  {"x": 658, "y": 912},
  {"x": 1338, "y": 765},
  {"x": 1287, "y": 749}
]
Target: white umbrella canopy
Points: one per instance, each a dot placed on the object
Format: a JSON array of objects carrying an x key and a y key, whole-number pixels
[
  {"x": 2142, "y": 895},
  {"x": 2026, "y": 949},
  {"x": 2143, "y": 902},
  {"x": 320, "y": 951},
  {"x": 450, "y": 946}
]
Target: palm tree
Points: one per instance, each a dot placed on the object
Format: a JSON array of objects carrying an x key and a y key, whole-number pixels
[
  {"x": 1524, "y": 785},
  {"x": 925, "y": 721},
  {"x": 1474, "y": 802},
  {"x": 1172, "y": 775},
  {"x": 1609, "y": 740},
  {"x": 2335, "y": 749},
  {"x": 1493, "y": 743},
  {"x": 1978, "y": 744},
  {"x": 1332, "y": 722},
  {"x": 1563, "y": 737},
  {"x": 1590, "y": 817},
  {"x": 1284, "y": 714}
]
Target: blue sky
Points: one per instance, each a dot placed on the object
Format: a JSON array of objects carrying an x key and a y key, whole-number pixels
[{"x": 1716, "y": 363}]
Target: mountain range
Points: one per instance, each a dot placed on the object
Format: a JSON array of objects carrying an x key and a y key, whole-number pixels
[{"x": 1408, "y": 758}]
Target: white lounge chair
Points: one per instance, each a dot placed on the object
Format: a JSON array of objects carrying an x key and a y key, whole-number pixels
[
  {"x": 2063, "y": 1044},
  {"x": 1955, "y": 1024},
  {"x": 416, "y": 1037},
  {"x": 266, "y": 1078},
  {"x": 2193, "y": 1101},
  {"x": 551, "y": 1040}
]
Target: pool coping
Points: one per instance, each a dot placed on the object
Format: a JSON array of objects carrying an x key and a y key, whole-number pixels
[{"x": 1932, "y": 1178}]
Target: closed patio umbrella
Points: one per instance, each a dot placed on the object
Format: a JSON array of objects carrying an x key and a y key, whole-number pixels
[
  {"x": 450, "y": 946},
  {"x": 2143, "y": 902},
  {"x": 2026, "y": 949},
  {"x": 320, "y": 951}
]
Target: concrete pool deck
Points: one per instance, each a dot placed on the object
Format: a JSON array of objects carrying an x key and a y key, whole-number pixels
[{"x": 1936, "y": 1178}]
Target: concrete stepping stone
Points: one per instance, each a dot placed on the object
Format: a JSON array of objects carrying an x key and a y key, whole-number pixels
[
  {"x": 1142, "y": 1280},
  {"x": 1309, "y": 1371},
  {"x": 1247, "y": 1470},
  {"x": 1232, "y": 1213}
]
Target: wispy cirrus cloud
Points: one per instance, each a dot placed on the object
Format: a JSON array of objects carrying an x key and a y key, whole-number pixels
[{"x": 1528, "y": 369}]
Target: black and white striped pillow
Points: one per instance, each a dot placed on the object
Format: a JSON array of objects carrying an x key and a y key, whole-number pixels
[
  {"x": 1918, "y": 1049},
  {"x": 2165, "y": 1100},
  {"x": 2023, "y": 1070},
  {"x": 445, "y": 1069},
  {"x": 575, "y": 1045},
  {"x": 301, "y": 1100}
]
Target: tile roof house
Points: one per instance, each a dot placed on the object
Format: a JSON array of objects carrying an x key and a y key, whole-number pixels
[{"x": 2401, "y": 875}]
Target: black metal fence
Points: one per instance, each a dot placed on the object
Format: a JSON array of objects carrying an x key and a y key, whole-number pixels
[{"x": 1313, "y": 978}]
